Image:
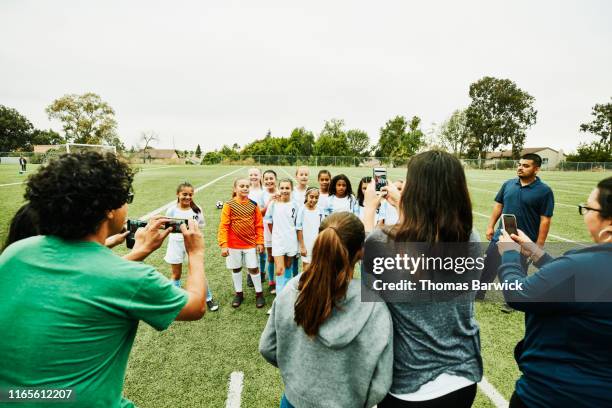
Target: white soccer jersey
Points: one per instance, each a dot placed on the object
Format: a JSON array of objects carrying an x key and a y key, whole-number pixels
[
  {"x": 336, "y": 204},
  {"x": 299, "y": 196},
  {"x": 308, "y": 221},
  {"x": 265, "y": 196},
  {"x": 257, "y": 196},
  {"x": 361, "y": 212},
  {"x": 176, "y": 212},
  {"x": 282, "y": 216},
  {"x": 323, "y": 201},
  {"x": 388, "y": 213}
]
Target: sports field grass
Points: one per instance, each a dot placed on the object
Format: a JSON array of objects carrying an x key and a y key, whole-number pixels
[{"x": 190, "y": 364}]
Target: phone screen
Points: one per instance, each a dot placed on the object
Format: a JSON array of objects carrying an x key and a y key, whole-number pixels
[
  {"x": 380, "y": 177},
  {"x": 509, "y": 224}
]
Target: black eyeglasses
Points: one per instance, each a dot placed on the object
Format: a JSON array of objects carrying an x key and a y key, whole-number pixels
[
  {"x": 582, "y": 209},
  {"x": 130, "y": 198}
]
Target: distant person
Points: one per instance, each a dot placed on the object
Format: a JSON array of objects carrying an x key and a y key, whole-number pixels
[
  {"x": 256, "y": 192},
  {"x": 70, "y": 307},
  {"x": 566, "y": 355},
  {"x": 332, "y": 350},
  {"x": 22, "y": 164},
  {"x": 531, "y": 201},
  {"x": 437, "y": 360}
]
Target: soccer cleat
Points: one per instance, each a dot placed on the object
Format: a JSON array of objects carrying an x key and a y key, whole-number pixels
[
  {"x": 212, "y": 305},
  {"x": 260, "y": 301},
  {"x": 237, "y": 300},
  {"x": 269, "y": 312},
  {"x": 249, "y": 281}
]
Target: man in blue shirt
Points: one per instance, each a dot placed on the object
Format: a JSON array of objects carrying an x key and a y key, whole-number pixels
[{"x": 530, "y": 200}]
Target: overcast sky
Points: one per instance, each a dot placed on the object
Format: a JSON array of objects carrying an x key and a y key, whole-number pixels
[{"x": 227, "y": 71}]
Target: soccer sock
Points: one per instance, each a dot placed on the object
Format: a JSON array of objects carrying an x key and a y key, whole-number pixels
[
  {"x": 280, "y": 284},
  {"x": 295, "y": 266},
  {"x": 237, "y": 279},
  {"x": 208, "y": 294},
  {"x": 176, "y": 283},
  {"x": 257, "y": 282},
  {"x": 271, "y": 276},
  {"x": 262, "y": 262}
]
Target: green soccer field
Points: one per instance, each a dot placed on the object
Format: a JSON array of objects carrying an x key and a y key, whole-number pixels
[{"x": 190, "y": 363}]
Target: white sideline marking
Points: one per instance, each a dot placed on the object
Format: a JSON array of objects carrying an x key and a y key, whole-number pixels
[
  {"x": 11, "y": 184},
  {"x": 495, "y": 192},
  {"x": 163, "y": 207},
  {"x": 235, "y": 390},
  {"x": 496, "y": 398}
]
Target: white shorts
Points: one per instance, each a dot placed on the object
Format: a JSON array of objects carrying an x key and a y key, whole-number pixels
[
  {"x": 267, "y": 236},
  {"x": 236, "y": 256},
  {"x": 175, "y": 253},
  {"x": 280, "y": 251}
]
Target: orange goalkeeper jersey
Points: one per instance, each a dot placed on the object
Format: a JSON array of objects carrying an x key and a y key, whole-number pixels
[{"x": 241, "y": 225}]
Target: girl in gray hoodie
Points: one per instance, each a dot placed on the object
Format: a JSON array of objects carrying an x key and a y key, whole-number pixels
[{"x": 332, "y": 349}]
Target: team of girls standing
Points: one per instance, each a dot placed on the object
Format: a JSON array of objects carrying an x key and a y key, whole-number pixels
[
  {"x": 185, "y": 208},
  {"x": 241, "y": 238}
]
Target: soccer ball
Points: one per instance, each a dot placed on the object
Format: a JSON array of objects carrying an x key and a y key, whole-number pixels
[{"x": 219, "y": 205}]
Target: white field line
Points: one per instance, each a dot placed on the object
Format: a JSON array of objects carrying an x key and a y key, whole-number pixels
[
  {"x": 11, "y": 184},
  {"x": 550, "y": 235},
  {"x": 495, "y": 192},
  {"x": 235, "y": 390},
  {"x": 549, "y": 182},
  {"x": 163, "y": 207},
  {"x": 155, "y": 168},
  {"x": 485, "y": 386},
  {"x": 496, "y": 398}
]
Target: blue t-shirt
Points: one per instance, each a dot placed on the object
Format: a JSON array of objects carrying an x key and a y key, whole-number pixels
[{"x": 527, "y": 203}]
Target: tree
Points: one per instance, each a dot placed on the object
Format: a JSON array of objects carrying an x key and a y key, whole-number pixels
[
  {"x": 591, "y": 152},
  {"x": 454, "y": 133},
  {"x": 85, "y": 118},
  {"x": 147, "y": 138},
  {"x": 198, "y": 151},
  {"x": 391, "y": 136},
  {"x": 301, "y": 141},
  {"x": 601, "y": 126},
  {"x": 499, "y": 114},
  {"x": 400, "y": 139},
  {"x": 46, "y": 137},
  {"x": 332, "y": 139},
  {"x": 358, "y": 142},
  {"x": 15, "y": 130}
]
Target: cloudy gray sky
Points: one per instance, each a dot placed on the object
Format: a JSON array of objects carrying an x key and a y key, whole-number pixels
[{"x": 227, "y": 71}]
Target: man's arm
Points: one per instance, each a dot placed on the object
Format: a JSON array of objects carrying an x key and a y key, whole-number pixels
[
  {"x": 544, "y": 228},
  {"x": 495, "y": 214},
  {"x": 196, "y": 284}
]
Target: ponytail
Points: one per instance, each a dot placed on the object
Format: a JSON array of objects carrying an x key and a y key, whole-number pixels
[
  {"x": 194, "y": 206},
  {"x": 325, "y": 283}
]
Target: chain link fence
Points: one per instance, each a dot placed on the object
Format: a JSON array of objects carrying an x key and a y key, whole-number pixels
[{"x": 314, "y": 161}]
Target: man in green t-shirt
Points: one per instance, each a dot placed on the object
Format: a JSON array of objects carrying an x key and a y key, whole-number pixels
[{"x": 70, "y": 307}]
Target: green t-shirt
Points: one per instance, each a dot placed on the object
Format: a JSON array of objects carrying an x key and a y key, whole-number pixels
[{"x": 68, "y": 317}]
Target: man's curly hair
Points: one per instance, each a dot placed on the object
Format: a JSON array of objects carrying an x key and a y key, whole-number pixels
[{"x": 73, "y": 193}]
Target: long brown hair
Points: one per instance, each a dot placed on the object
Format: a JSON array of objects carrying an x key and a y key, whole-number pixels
[
  {"x": 192, "y": 204},
  {"x": 327, "y": 278},
  {"x": 435, "y": 202}
]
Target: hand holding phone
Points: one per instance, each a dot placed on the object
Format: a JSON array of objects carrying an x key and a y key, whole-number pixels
[
  {"x": 509, "y": 224},
  {"x": 379, "y": 175}
]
